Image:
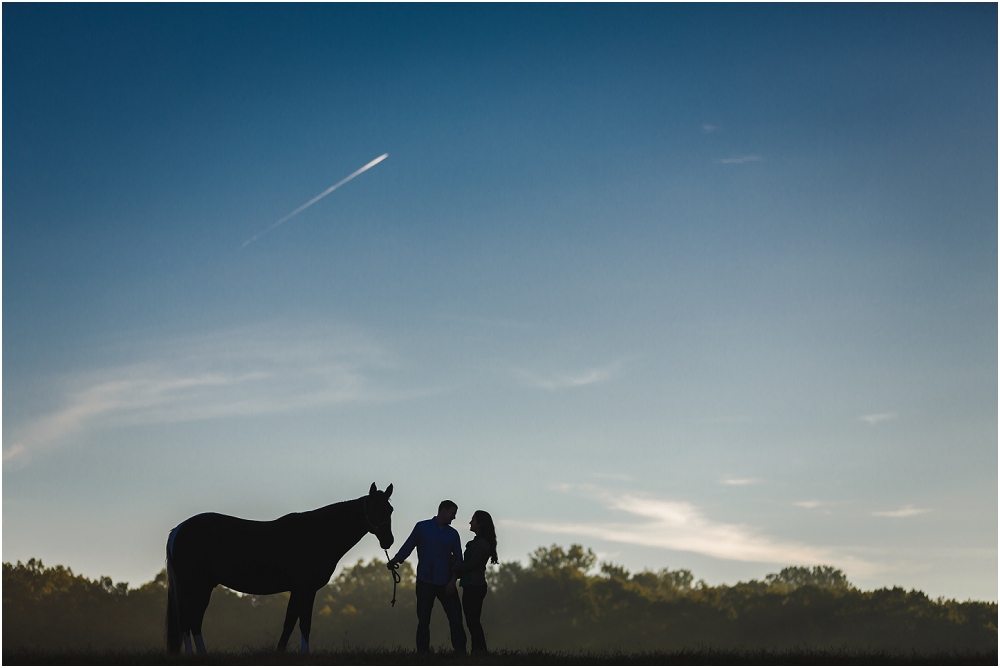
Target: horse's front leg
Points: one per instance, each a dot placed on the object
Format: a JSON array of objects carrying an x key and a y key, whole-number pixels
[
  {"x": 305, "y": 619},
  {"x": 291, "y": 614}
]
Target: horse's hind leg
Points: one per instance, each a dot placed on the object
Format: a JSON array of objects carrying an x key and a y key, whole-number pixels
[
  {"x": 184, "y": 614},
  {"x": 291, "y": 616},
  {"x": 305, "y": 619},
  {"x": 199, "y": 599}
]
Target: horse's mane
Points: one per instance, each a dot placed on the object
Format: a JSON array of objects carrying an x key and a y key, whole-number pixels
[{"x": 340, "y": 509}]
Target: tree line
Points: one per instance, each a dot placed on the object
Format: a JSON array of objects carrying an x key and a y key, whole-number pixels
[{"x": 562, "y": 600}]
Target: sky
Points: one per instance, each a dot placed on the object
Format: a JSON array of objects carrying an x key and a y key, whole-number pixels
[{"x": 696, "y": 286}]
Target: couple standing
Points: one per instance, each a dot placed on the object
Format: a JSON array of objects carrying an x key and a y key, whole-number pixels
[{"x": 440, "y": 564}]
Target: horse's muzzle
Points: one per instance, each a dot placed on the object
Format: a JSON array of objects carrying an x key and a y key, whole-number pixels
[{"x": 385, "y": 540}]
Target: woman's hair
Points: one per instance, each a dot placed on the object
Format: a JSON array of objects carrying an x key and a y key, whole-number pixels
[{"x": 488, "y": 531}]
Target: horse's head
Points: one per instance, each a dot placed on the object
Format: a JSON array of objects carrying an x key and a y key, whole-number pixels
[{"x": 378, "y": 515}]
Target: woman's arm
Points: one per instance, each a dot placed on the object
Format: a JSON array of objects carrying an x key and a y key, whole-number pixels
[{"x": 479, "y": 554}]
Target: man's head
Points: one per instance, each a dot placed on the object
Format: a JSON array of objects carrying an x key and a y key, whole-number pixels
[{"x": 446, "y": 512}]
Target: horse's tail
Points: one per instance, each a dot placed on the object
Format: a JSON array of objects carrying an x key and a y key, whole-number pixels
[{"x": 173, "y": 609}]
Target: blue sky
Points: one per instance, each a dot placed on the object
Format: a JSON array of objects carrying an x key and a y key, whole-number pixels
[{"x": 706, "y": 287}]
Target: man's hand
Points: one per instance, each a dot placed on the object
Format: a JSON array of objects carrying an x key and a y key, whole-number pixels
[
  {"x": 450, "y": 587},
  {"x": 392, "y": 565}
]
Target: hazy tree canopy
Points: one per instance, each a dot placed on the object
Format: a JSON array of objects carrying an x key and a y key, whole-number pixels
[
  {"x": 556, "y": 558},
  {"x": 614, "y": 571},
  {"x": 559, "y": 601},
  {"x": 820, "y": 576}
]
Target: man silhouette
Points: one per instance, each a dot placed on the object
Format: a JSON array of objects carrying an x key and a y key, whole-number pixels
[{"x": 438, "y": 548}]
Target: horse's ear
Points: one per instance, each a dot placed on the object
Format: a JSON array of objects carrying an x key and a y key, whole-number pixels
[
  {"x": 388, "y": 491},
  {"x": 373, "y": 489}
]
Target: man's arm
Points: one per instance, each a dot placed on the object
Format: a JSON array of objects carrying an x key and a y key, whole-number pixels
[
  {"x": 456, "y": 548},
  {"x": 456, "y": 552},
  {"x": 406, "y": 548}
]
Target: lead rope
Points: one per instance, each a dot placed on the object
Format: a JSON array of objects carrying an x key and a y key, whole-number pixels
[{"x": 396, "y": 577}]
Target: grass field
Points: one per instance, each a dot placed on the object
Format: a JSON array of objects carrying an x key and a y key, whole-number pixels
[{"x": 405, "y": 657}]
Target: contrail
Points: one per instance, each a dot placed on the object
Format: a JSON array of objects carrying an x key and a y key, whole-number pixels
[{"x": 317, "y": 198}]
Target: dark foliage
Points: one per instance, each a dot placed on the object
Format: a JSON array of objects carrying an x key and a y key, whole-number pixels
[{"x": 556, "y": 603}]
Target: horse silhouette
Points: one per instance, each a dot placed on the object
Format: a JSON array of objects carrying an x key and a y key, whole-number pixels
[{"x": 295, "y": 553}]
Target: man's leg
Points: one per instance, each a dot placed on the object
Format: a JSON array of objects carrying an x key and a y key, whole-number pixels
[
  {"x": 425, "y": 605},
  {"x": 453, "y": 608}
]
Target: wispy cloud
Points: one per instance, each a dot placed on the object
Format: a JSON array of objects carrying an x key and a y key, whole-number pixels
[
  {"x": 14, "y": 452},
  {"x": 708, "y": 128},
  {"x": 563, "y": 381},
  {"x": 129, "y": 395},
  {"x": 875, "y": 418},
  {"x": 739, "y": 160},
  {"x": 739, "y": 481},
  {"x": 823, "y": 507},
  {"x": 221, "y": 374},
  {"x": 679, "y": 525},
  {"x": 905, "y": 511}
]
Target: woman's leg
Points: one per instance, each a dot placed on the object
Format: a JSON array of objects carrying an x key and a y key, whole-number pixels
[{"x": 472, "y": 603}]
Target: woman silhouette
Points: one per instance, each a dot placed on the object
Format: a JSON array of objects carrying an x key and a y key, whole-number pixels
[{"x": 478, "y": 552}]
